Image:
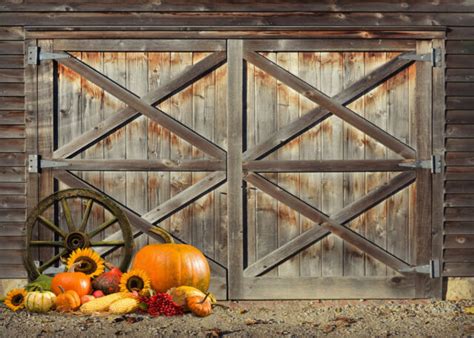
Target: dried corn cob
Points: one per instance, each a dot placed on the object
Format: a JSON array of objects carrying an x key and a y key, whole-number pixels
[
  {"x": 102, "y": 303},
  {"x": 125, "y": 305}
]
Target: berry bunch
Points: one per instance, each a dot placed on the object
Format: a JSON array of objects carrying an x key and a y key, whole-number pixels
[{"x": 161, "y": 304}]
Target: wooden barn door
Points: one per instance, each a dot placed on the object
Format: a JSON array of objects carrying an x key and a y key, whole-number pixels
[{"x": 301, "y": 168}]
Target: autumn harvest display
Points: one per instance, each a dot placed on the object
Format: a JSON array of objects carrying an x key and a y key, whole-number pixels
[{"x": 165, "y": 279}]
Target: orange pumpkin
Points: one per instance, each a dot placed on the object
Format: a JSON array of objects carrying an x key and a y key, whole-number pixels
[
  {"x": 76, "y": 281},
  {"x": 67, "y": 301},
  {"x": 172, "y": 265},
  {"x": 200, "y": 306}
]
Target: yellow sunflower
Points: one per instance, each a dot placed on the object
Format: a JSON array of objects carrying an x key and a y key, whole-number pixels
[
  {"x": 15, "y": 299},
  {"x": 87, "y": 261},
  {"x": 135, "y": 280}
]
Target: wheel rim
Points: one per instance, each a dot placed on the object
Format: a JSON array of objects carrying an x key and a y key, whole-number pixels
[{"x": 76, "y": 235}]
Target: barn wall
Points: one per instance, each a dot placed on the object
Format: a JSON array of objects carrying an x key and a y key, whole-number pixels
[{"x": 457, "y": 16}]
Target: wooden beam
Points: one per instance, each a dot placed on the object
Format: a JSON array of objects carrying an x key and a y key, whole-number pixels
[
  {"x": 330, "y": 104},
  {"x": 140, "y": 45},
  {"x": 128, "y": 114},
  {"x": 139, "y": 165},
  {"x": 324, "y": 166},
  {"x": 325, "y": 45},
  {"x": 317, "y": 115},
  {"x": 329, "y": 225}
]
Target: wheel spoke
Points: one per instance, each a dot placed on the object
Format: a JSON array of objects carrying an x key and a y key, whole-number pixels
[
  {"x": 87, "y": 213},
  {"x": 51, "y": 261},
  {"x": 108, "y": 243},
  {"x": 52, "y": 226},
  {"x": 46, "y": 243},
  {"x": 67, "y": 215},
  {"x": 102, "y": 227}
]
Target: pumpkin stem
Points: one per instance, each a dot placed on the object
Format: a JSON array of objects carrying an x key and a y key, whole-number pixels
[
  {"x": 204, "y": 299},
  {"x": 165, "y": 235},
  {"x": 61, "y": 288}
]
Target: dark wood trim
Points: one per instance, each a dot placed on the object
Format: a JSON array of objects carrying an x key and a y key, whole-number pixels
[
  {"x": 139, "y": 45},
  {"x": 325, "y": 45}
]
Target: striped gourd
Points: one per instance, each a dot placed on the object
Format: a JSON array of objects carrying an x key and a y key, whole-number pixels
[{"x": 39, "y": 301}]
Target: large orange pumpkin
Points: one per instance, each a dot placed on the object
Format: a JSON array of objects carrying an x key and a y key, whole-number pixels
[{"x": 172, "y": 265}]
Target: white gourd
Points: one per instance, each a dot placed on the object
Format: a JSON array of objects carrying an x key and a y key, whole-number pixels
[{"x": 39, "y": 301}]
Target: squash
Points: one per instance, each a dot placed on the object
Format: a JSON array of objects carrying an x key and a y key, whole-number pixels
[
  {"x": 200, "y": 306},
  {"x": 108, "y": 282},
  {"x": 67, "y": 300},
  {"x": 180, "y": 294},
  {"x": 172, "y": 265},
  {"x": 39, "y": 300},
  {"x": 103, "y": 303},
  {"x": 71, "y": 280}
]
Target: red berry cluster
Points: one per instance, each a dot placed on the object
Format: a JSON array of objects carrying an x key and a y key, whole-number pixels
[{"x": 162, "y": 304}]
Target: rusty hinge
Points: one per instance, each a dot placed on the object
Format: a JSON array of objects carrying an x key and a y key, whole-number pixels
[
  {"x": 35, "y": 164},
  {"x": 434, "y": 164},
  {"x": 36, "y": 55},
  {"x": 435, "y": 57},
  {"x": 432, "y": 268}
]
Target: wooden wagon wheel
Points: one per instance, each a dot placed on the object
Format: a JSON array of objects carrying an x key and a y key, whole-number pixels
[{"x": 75, "y": 236}]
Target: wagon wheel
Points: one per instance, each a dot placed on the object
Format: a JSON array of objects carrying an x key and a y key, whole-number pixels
[{"x": 75, "y": 236}]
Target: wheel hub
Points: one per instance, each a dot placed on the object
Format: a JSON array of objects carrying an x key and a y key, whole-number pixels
[{"x": 77, "y": 240}]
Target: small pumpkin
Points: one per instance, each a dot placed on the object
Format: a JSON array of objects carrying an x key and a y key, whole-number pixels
[
  {"x": 67, "y": 300},
  {"x": 171, "y": 265},
  {"x": 39, "y": 300},
  {"x": 71, "y": 280},
  {"x": 200, "y": 306},
  {"x": 180, "y": 294}
]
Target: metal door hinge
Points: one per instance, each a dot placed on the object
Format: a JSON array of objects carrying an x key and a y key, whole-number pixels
[
  {"x": 433, "y": 269},
  {"x": 35, "y": 164},
  {"x": 35, "y": 55},
  {"x": 435, "y": 57},
  {"x": 434, "y": 164}
]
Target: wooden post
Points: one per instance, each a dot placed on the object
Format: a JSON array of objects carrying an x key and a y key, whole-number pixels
[{"x": 234, "y": 167}]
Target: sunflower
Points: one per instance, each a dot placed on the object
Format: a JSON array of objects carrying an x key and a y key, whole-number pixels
[
  {"x": 135, "y": 280},
  {"x": 15, "y": 299},
  {"x": 87, "y": 261}
]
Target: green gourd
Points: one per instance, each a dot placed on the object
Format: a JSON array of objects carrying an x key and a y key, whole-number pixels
[{"x": 43, "y": 282}]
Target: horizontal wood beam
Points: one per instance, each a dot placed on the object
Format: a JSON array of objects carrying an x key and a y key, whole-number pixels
[
  {"x": 135, "y": 220},
  {"x": 139, "y": 165},
  {"x": 273, "y": 166},
  {"x": 128, "y": 114},
  {"x": 333, "y": 224},
  {"x": 330, "y": 104},
  {"x": 139, "y": 45},
  {"x": 333, "y": 45},
  {"x": 317, "y": 115}
]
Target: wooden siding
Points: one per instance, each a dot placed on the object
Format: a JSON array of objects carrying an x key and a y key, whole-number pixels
[{"x": 457, "y": 16}]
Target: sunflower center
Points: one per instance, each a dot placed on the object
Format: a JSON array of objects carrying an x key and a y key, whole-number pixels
[
  {"x": 135, "y": 283},
  {"x": 86, "y": 265},
  {"x": 17, "y": 299}
]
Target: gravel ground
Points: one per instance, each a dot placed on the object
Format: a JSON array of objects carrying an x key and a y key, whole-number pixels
[{"x": 268, "y": 318}]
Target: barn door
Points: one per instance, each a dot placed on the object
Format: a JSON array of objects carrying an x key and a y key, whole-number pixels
[
  {"x": 301, "y": 168},
  {"x": 335, "y": 153}
]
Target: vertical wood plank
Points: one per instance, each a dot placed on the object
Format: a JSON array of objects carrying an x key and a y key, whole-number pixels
[
  {"x": 45, "y": 140},
  {"x": 287, "y": 111},
  {"x": 354, "y": 148},
  {"x": 398, "y": 125},
  {"x": 203, "y": 122},
  {"x": 332, "y": 148},
  {"x": 136, "y": 131},
  {"x": 114, "y": 67},
  {"x": 310, "y": 148},
  {"x": 158, "y": 137},
  {"x": 92, "y": 113},
  {"x": 439, "y": 96},
  {"x": 181, "y": 109},
  {"x": 234, "y": 167},
  {"x": 375, "y": 104},
  {"x": 31, "y": 121},
  {"x": 265, "y": 118},
  {"x": 422, "y": 235}
]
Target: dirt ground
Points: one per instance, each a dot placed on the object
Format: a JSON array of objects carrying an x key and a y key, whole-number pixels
[{"x": 260, "y": 319}]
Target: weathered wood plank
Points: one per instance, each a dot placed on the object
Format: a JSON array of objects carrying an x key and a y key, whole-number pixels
[
  {"x": 459, "y": 102},
  {"x": 458, "y": 61},
  {"x": 459, "y": 88},
  {"x": 11, "y": 89},
  {"x": 12, "y": 33},
  {"x": 331, "y": 104},
  {"x": 12, "y": 103},
  {"x": 454, "y": 158},
  {"x": 12, "y": 188},
  {"x": 12, "y": 215},
  {"x": 12, "y": 174},
  {"x": 12, "y": 159},
  {"x": 8, "y": 257},
  {"x": 138, "y": 45},
  {"x": 459, "y": 200},
  {"x": 11, "y": 61},
  {"x": 458, "y": 242},
  {"x": 458, "y": 255},
  {"x": 12, "y": 229},
  {"x": 460, "y": 116},
  {"x": 458, "y": 269},
  {"x": 14, "y": 202},
  {"x": 11, "y": 47},
  {"x": 13, "y": 271},
  {"x": 350, "y": 94},
  {"x": 459, "y": 227},
  {"x": 459, "y": 214},
  {"x": 460, "y": 75},
  {"x": 460, "y": 47},
  {"x": 462, "y": 187},
  {"x": 127, "y": 114},
  {"x": 12, "y": 76},
  {"x": 235, "y": 108},
  {"x": 460, "y": 130},
  {"x": 13, "y": 145},
  {"x": 12, "y": 131}
]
